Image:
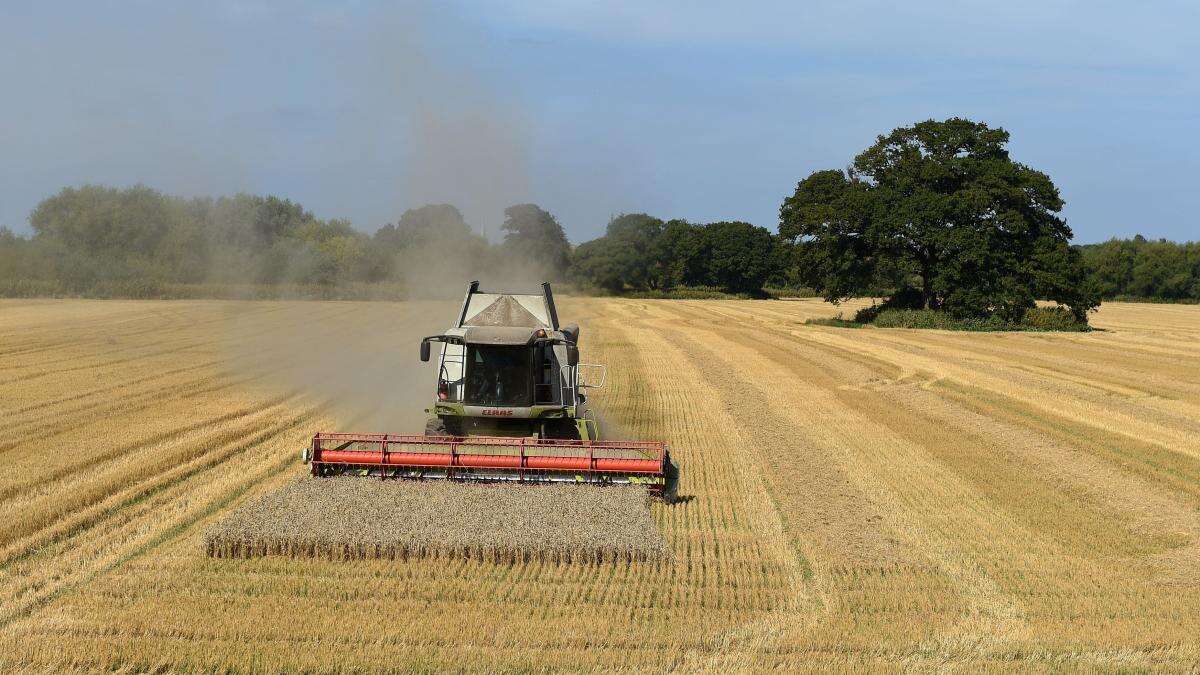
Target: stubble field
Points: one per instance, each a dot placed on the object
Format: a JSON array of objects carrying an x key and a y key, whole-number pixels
[{"x": 868, "y": 499}]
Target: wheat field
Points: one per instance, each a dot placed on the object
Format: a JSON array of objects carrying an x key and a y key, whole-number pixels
[{"x": 855, "y": 499}]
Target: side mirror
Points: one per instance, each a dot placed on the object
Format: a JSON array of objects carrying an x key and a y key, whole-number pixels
[
  {"x": 424, "y": 350},
  {"x": 572, "y": 333}
]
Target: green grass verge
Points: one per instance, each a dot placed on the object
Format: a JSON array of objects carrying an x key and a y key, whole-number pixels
[
  {"x": 837, "y": 322},
  {"x": 688, "y": 293},
  {"x": 1153, "y": 300},
  {"x": 1043, "y": 319}
]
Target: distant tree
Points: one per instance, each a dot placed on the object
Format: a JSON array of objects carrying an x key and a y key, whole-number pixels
[
  {"x": 429, "y": 224},
  {"x": 639, "y": 252},
  {"x": 592, "y": 264},
  {"x": 1111, "y": 265},
  {"x": 531, "y": 233},
  {"x": 8, "y": 238},
  {"x": 941, "y": 203},
  {"x": 1162, "y": 270},
  {"x": 328, "y": 252},
  {"x": 104, "y": 221},
  {"x": 679, "y": 255},
  {"x": 430, "y": 249},
  {"x": 276, "y": 218},
  {"x": 130, "y": 241},
  {"x": 230, "y": 221},
  {"x": 15, "y": 258},
  {"x": 186, "y": 250},
  {"x": 624, "y": 258},
  {"x": 1192, "y": 256},
  {"x": 830, "y": 217},
  {"x": 738, "y": 256},
  {"x": 98, "y": 235}
]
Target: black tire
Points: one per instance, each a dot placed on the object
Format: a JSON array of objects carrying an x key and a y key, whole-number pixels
[
  {"x": 436, "y": 427},
  {"x": 671, "y": 485},
  {"x": 561, "y": 429}
]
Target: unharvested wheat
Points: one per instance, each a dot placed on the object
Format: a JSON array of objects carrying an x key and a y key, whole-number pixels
[{"x": 351, "y": 517}]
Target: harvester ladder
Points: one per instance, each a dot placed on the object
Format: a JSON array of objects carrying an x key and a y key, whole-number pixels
[
  {"x": 459, "y": 359},
  {"x": 569, "y": 373}
]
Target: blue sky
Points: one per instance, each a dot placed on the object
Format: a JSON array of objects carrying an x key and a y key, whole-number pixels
[{"x": 700, "y": 110}]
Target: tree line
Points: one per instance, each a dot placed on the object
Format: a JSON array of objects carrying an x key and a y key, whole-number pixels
[
  {"x": 139, "y": 242},
  {"x": 936, "y": 216},
  {"x": 1139, "y": 268}
]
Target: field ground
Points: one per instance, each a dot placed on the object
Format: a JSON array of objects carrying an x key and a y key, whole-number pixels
[{"x": 859, "y": 498}]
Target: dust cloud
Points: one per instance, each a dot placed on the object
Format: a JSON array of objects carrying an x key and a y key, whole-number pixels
[
  {"x": 466, "y": 145},
  {"x": 356, "y": 361},
  {"x": 466, "y": 141}
]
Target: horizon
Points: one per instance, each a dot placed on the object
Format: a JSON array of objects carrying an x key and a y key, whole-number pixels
[
  {"x": 363, "y": 110},
  {"x": 495, "y": 238}
]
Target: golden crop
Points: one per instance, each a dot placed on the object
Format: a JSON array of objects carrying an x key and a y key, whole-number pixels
[
  {"x": 854, "y": 499},
  {"x": 355, "y": 518}
]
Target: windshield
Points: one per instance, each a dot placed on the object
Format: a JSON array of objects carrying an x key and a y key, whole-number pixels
[{"x": 499, "y": 376}]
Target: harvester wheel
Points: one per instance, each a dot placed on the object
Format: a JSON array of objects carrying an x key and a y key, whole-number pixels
[
  {"x": 436, "y": 427},
  {"x": 671, "y": 483},
  {"x": 561, "y": 429}
]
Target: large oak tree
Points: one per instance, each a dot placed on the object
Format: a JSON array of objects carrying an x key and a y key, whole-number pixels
[{"x": 939, "y": 213}]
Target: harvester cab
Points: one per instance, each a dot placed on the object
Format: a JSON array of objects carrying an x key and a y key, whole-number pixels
[
  {"x": 510, "y": 405},
  {"x": 508, "y": 369}
]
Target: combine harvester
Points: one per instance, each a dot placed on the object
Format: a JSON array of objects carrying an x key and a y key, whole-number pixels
[{"x": 510, "y": 406}]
